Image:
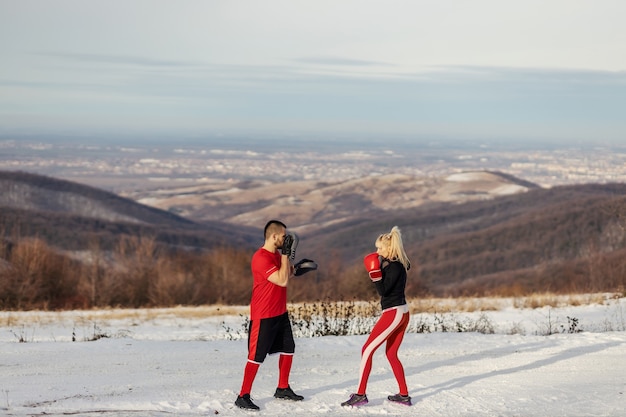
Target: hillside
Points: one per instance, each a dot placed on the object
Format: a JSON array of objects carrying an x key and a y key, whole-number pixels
[
  {"x": 555, "y": 239},
  {"x": 476, "y": 233},
  {"x": 71, "y": 215},
  {"x": 309, "y": 205}
]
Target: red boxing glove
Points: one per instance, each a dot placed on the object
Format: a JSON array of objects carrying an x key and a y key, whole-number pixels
[{"x": 372, "y": 264}]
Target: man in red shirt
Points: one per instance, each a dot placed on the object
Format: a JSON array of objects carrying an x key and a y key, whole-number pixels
[{"x": 270, "y": 328}]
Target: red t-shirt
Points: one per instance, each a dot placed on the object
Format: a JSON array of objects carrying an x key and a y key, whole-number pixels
[{"x": 268, "y": 299}]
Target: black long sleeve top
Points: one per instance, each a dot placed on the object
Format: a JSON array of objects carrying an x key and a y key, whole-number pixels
[{"x": 391, "y": 286}]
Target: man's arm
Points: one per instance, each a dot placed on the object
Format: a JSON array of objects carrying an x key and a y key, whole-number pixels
[{"x": 281, "y": 277}]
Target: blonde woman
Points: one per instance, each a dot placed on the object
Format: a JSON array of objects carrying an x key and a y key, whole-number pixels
[{"x": 387, "y": 268}]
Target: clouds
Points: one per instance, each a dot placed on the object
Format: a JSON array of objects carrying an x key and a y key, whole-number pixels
[
  {"x": 90, "y": 58},
  {"x": 476, "y": 68}
]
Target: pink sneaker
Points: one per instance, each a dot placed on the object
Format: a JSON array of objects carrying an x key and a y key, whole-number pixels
[
  {"x": 400, "y": 399},
  {"x": 355, "y": 400}
]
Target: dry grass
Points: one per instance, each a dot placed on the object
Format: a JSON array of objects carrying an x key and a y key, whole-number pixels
[
  {"x": 28, "y": 318},
  {"x": 336, "y": 309},
  {"x": 472, "y": 304},
  {"x": 553, "y": 300}
]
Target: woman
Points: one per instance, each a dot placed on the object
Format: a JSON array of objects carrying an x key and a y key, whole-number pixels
[{"x": 387, "y": 268}]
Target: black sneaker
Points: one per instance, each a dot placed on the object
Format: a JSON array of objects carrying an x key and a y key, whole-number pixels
[
  {"x": 287, "y": 394},
  {"x": 355, "y": 400},
  {"x": 400, "y": 399},
  {"x": 244, "y": 401}
]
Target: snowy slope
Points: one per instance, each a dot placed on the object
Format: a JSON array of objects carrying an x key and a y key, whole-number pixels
[{"x": 187, "y": 367}]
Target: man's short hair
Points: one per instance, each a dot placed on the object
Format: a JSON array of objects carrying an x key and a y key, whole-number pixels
[{"x": 273, "y": 226}]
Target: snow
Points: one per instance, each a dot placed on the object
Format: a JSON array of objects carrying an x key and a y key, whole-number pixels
[
  {"x": 508, "y": 189},
  {"x": 469, "y": 176},
  {"x": 166, "y": 362}
]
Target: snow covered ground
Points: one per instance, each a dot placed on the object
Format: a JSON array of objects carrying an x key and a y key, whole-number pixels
[{"x": 537, "y": 362}]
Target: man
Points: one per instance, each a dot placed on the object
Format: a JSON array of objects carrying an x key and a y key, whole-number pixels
[{"x": 270, "y": 328}]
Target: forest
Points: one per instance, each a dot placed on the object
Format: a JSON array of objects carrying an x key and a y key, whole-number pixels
[{"x": 139, "y": 273}]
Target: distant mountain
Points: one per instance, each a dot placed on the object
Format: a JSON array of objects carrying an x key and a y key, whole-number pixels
[
  {"x": 468, "y": 233},
  {"x": 541, "y": 239},
  {"x": 309, "y": 205},
  {"x": 71, "y": 215}
]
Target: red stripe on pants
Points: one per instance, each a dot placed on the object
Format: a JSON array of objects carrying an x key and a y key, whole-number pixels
[{"x": 253, "y": 339}]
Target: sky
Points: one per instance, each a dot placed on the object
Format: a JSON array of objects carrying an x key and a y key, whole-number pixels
[
  {"x": 492, "y": 69},
  {"x": 172, "y": 362}
]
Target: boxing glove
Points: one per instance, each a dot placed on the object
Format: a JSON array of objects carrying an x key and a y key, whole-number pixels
[
  {"x": 290, "y": 243},
  {"x": 372, "y": 265}
]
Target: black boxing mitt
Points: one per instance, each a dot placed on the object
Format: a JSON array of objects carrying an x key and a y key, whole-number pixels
[{"x": 303, "y": 266}]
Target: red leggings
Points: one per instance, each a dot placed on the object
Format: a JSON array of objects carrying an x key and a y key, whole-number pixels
[{"x": 390, "y": 327}]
